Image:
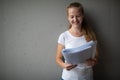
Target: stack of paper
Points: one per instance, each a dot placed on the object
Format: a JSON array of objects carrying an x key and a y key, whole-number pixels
[{"x": 80, "y": 54}]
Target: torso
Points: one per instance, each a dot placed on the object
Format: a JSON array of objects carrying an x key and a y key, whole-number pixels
[
  {"x": 73, "y": 41},
  {"x": 81, "y": 72}
]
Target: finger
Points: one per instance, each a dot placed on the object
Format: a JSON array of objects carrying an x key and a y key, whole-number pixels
[{"x": 71, "y": 67}]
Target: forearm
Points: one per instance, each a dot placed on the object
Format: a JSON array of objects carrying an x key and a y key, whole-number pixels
[{"x": 60, "y": 62}]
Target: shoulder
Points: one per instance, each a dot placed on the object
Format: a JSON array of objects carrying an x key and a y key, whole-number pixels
[
  {"x": 62, "y": 38},
  {"x": 64, "y": 34}
]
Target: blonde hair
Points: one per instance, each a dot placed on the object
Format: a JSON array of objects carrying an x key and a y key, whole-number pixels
[{"x": 85, "y": 28}]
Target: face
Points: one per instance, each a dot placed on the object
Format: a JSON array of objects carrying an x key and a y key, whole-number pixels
[{"x": 75, "y": 17}]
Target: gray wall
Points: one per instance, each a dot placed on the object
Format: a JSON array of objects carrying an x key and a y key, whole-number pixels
[{"x": 29, "y": 30}]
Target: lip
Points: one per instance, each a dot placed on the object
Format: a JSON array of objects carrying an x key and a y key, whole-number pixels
[{"x": 75, "y": 22}]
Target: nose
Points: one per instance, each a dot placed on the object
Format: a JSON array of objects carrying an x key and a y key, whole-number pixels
[{"x": 75, "y": 19}]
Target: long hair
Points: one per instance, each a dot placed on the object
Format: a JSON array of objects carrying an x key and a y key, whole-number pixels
[{"x": 85, "y": 27}]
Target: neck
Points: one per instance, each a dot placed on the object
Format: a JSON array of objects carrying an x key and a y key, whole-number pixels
[
  {"x": 76, "y": 31},
  {"x": 76, "y": 28}
]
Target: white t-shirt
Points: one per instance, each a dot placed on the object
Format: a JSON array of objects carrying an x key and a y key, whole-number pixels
[{"x": 82, "y": 71}]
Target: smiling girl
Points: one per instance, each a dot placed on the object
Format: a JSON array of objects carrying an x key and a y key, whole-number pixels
[{"x": 79, "y": 33}]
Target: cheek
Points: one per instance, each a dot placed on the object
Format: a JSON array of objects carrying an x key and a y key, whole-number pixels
[
  {"x": 70, "y": 20},
  {"x": 80, "y": 20}
]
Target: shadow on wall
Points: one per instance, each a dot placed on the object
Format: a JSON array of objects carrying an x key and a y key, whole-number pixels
[
  {"x": 105, "y": 23},
  {"x": 99, "y": 69}
]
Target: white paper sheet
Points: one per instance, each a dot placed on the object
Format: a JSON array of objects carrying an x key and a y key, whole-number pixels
[{"x": 80, "y": 54}]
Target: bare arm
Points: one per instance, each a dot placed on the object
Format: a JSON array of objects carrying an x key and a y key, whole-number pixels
[
  {"x": 59, "y": 59},
  {"x": 59, "y": 56}
]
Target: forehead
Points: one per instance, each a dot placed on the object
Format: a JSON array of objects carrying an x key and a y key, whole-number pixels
[{"x": 74, "y": 10}]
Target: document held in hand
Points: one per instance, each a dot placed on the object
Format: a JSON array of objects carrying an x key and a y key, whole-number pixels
[{"x": 80, "y": 54}]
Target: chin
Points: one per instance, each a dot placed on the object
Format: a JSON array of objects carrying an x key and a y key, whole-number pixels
[{"x": 76, "y": 24}]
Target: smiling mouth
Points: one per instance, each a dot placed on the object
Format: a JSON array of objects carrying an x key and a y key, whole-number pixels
[{"x": 75, "y": 22}]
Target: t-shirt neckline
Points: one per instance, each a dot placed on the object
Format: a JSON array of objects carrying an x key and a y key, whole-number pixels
[{"x": 74, "y": 36}]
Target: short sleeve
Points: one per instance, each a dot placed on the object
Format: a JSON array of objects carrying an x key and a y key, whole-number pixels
[{"x": 61, "y": 39}]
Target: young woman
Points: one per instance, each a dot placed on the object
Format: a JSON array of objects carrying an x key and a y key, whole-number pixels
[{"x": 79, "y": 33}]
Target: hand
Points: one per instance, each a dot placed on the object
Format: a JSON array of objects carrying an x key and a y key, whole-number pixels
[
  {"x": 69, "y": 66},
  {"x": 91, "y": 62}
]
